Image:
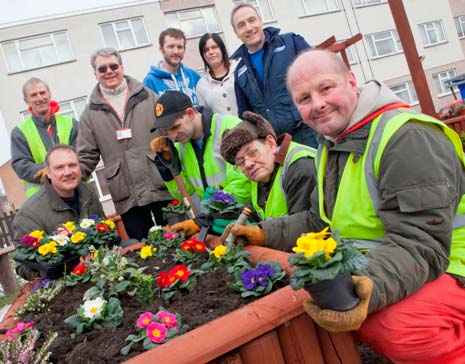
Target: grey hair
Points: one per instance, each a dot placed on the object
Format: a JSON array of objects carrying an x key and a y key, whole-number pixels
[
  {"x": 105, "y": 52},
  {"x": 34, "y": 81},
  {"x": 240, "y": 6}
]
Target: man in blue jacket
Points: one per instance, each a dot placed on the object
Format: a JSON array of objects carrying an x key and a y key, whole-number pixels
[
  {"x": 171, "y": 74},
  {"x": 260, "y": 76}
]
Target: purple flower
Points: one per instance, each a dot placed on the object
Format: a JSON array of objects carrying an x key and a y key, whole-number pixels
[
  {"x": 221, "y": 197},
  {"x": 266, "y": 269},
  {"x": 249, "y": 278},
  {"x": 45, "y": 283},
  {"x": 29, "y": 240},
  {"x": 261, "y": 277},
  {"x": 93, "y": 217}
]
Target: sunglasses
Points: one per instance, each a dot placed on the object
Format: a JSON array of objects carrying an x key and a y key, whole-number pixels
[{"x": 104, "y": 68}]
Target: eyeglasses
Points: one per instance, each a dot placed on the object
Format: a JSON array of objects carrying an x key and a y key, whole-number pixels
[
  {"x": 104, "y": 68},
  {"x": 252, "y": 155}
]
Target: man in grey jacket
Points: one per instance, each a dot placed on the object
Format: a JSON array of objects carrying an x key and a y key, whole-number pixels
[
  {"x": 393, "y": 181},
  {"x": 63, "y": 197},
  {"x": 115, "y": 127}
]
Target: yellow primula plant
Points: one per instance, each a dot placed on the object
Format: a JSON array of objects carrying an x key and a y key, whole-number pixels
[{"x": 319, "y": 256}]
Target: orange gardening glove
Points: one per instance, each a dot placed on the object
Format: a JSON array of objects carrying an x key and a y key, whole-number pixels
[
  {"x": 187, "y": 227},
  {"x": 340, "y": 321},
  {"x": 160, "y": 146},
  {"x": 251, "y": 234},
  {"x": 40, "y": 175}
]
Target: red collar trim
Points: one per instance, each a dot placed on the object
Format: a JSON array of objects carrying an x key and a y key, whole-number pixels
[{"x": 372, "y": 116}]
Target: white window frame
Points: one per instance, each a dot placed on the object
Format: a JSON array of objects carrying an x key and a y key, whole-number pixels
[
  {"x": 259, "y": 5},
  {"x": 51, "y": 36},
  {"x": 409, "y": 89},
  {"x": 435, "y": 27},
  {"x": 307, "y": 10},
  {"x": 440, "y": 80},
  {"x": 393, "y": 36},
  {"x": 26, "y": 114},
  {"x": 201, "y": 9},
  {"x": 360, "y": 3},
  {"x": 130, "y": 21},
  {"x": 94, "y": 179},
  {"x": 460, "y": 25}
]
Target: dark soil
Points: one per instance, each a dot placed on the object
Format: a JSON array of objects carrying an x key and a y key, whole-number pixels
[{"x": 209, "y": 299}]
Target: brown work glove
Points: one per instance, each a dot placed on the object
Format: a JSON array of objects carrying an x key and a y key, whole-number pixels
[
  {"x": 160, "y": 146},
  {"x": 187, "y": 227},
  {"x": 340, "y": 321},
  {"x": 251, "y": 234},
  {"x": 40, "y": 175}
]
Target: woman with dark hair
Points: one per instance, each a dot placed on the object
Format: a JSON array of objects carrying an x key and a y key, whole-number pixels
[{"x": 216, "y": 87}]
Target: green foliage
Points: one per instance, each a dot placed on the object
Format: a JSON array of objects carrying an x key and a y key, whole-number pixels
[
  {"x": 218, "y": 202},
  {"x": 37, "y": 300},
  {"x": 232, "y": 257},
  {"x": 144, "y": 288}
]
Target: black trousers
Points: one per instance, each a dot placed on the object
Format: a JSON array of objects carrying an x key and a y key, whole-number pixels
[{"x": 138, "y": 220}]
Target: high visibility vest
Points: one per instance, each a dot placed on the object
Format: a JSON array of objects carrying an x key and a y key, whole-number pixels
[
  {"x": 276, "y": 203},
  {"x": 358, "y": 198},
  {"x": 214, "y": 166},
  {"x": 64, "y": 125}
]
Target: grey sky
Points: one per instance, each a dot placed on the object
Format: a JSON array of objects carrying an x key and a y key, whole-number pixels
[{"x": 19, "y": 10}]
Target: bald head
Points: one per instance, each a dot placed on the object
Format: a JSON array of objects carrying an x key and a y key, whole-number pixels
[{"x": 324, "y": 91}]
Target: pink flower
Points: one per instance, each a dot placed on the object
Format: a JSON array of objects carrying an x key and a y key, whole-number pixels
[
  {"x": 19, "y": 329},
  {"x": 156, "y": 332},
  {"x": 168, "y": 319},
  {"x": 144, "y": 320},
  {"x": 170, "y": 236}
]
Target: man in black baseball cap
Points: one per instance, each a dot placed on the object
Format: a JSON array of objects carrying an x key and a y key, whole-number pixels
[{"x": 195, "y": 155}]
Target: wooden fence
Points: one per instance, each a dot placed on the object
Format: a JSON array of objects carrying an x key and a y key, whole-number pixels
[{"x": 7, "y": 276}]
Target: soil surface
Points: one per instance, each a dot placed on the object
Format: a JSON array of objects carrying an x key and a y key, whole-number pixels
[{"x": 209, "y": 299}]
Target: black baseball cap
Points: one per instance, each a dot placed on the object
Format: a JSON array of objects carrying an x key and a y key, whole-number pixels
[{"x": 168, "y": 106}]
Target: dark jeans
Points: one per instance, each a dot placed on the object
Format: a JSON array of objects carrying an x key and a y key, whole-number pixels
[
  {"x": 303, "y": 134},
  {"x": 138, "y": 220}
]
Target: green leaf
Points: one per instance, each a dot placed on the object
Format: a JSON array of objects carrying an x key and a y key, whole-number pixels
[
  {"x": 125, "y": 349},
  {"x": 122, "y": 286}
]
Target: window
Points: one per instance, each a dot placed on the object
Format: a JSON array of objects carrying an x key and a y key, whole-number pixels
[
  {"x": 100, "y": 184},
  {"x": 383, "y": 43},
  {"x": 460, "y": 25},
  {"x": 313, "y": 7},
  {"x": 367, "y": 2},
  {"x": 194, "y": 22},
  {"x": 29, "y": 53},
  {"x": 440, "y": 80},
  {"x": 406, "y": 92},
  {"x": 125, "y": 34},
  {"x": 263, "y": 8},
  {"x": 73, "y": 108},
  {"x": 432, "y": 33}
]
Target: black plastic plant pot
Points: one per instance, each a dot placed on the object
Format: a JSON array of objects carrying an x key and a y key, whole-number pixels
[
  {"x": 52, "y": 270},
  {"x": 173, "y": 218},
  {"x": 337, "y": 294}
]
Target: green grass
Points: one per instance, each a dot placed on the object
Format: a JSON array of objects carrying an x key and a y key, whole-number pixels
[{"x": 6, "y": 300}]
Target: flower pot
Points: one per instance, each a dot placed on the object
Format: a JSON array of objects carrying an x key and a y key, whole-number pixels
[
  {"x": 335, "y": 294},
  {"x": 173, "y": 218},
  {"x": 52, "y": 270}
]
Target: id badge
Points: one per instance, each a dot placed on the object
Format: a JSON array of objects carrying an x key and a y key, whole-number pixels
[{"x": 124, "y": 133}]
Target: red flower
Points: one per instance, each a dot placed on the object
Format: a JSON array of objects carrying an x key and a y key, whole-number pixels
[
  {"x": 101, "y": 227},
  {"x": 198, "y": 246},
  {"x": 79, "y": 270},
  {"x": 175, "y": 203},
  {"x": 165, "y": 280},
  {"x": 180, "y": 272},
  {"x": 187, "y": 245}
]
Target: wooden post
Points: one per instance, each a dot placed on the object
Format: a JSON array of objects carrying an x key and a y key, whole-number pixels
[
  {"x": 7, "y": 275},
  {"x": 411, "y": 54}
]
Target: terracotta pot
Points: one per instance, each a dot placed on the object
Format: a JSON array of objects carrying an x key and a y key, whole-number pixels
[
  {"x": 336, "y": 294},
  {"x": 273, "y": 330}
]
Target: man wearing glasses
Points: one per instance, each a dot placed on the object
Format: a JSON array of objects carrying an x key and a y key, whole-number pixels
[
  {"x": 281, "y": 171},
  {"x": 115, "y": 126}
]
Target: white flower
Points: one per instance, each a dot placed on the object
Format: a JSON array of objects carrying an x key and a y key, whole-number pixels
[
  {"x": 60, "y": 239},
  {"x": 93, "y": 308},
  {"x": 85, "y": 223},
  {"x": 106, "y": 261},
  {"x": 155, "y": 228}
]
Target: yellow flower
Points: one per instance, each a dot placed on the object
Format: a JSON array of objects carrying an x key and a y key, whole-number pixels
[
  {"x": 96, "y": 254},
  {"x": 77, "y": 237},
  {"x": 109, "y": 223},
  {"x": 147, "y": 251},
  {"x": 38, "y": 234},
  {"x": 312, "y": 243},
  {"x": 48, "y": 248},
  {"x": 69, "y": 225},
  {"x": 219, "y": 251}
]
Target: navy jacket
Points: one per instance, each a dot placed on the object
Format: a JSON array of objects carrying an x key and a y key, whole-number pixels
[{"x": 273, "y": 102}]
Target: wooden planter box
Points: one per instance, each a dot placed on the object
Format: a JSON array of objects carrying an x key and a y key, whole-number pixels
[
  {"x": 458, "y": 124},
  {"x": 271, "y": 330}
]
